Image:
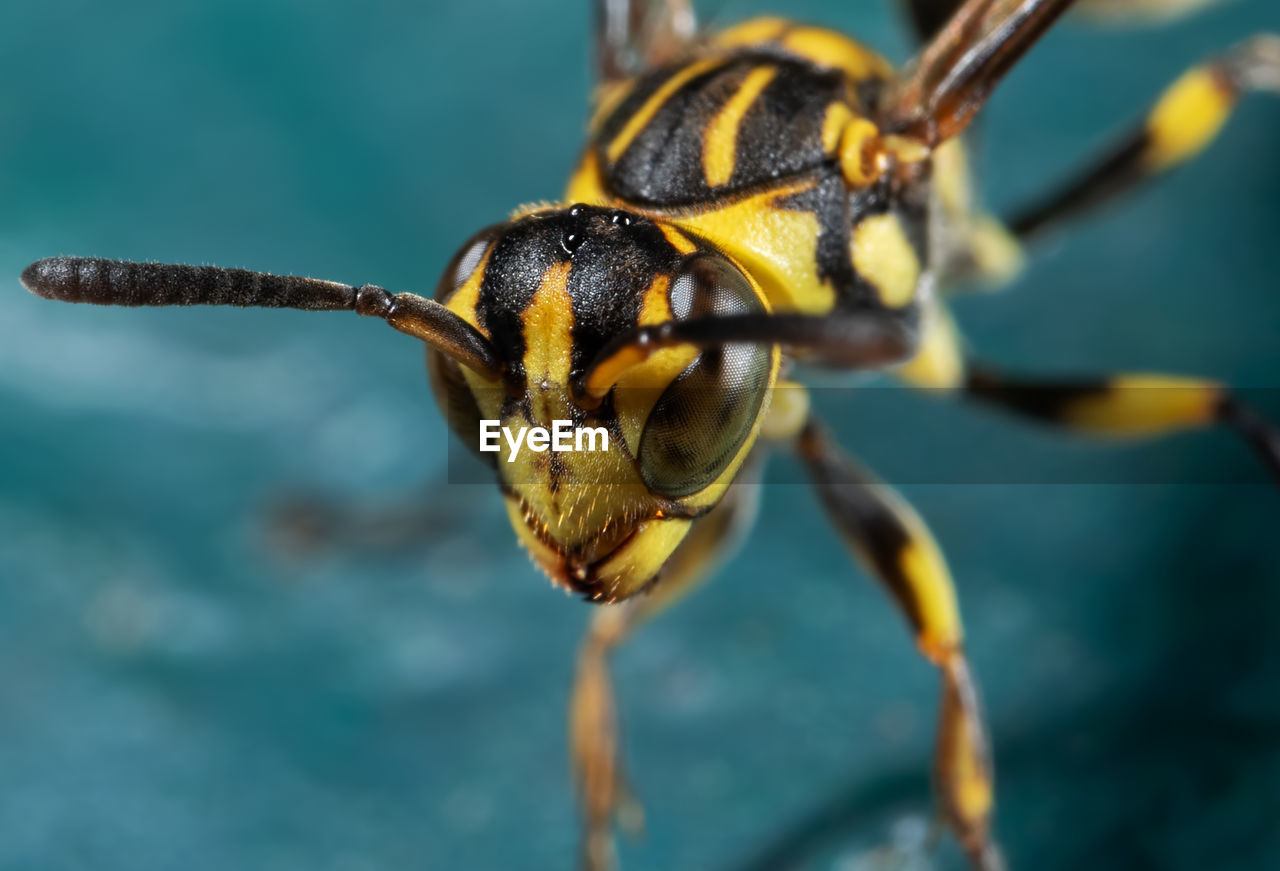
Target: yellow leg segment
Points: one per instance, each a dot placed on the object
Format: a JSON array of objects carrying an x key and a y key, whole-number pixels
[
  {"x": 1184, "y": 121},
  {"x": 603, "y": 793},
  {"x": 1129, "y": 406},
  {"x": 893, "y": 544}
]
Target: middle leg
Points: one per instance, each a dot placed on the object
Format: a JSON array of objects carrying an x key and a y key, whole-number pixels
[
  {"x": 1128, "y": 405},
  {"x": 894, "y": 545}
]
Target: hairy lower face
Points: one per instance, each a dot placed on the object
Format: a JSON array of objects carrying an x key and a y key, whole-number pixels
[{"x": 606, "y": 564}]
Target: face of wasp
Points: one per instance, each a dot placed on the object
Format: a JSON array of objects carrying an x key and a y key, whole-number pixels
[{"x": 549, "y": 290}]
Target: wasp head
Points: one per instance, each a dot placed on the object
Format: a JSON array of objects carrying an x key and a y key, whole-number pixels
[{"x": 602, "y": 492}]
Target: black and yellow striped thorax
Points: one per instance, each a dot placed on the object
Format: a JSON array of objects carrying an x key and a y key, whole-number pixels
[
  {"x": 719, "y": 127},
  {"x": 765, "y": 144}
]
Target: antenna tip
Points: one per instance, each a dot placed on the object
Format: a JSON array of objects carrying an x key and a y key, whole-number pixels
[{"x": 48, "y": 278}]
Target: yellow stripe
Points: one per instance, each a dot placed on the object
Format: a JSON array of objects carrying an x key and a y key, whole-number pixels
[
  {"x": 1187, "y": 117},
  {"x": 951, "y": 177},
  {"x": 463, "y": 301},
  {"x": 677, "y": 240},
  {"x": 935, "y": 597},
  {"x": 858, "y": 153},
  {"x": 1145, "y": 405},
  {"x": 645, "y": 114},
  {"x": 720, "y": 149},
  {"x": 548, "y": 328},
  {"x": 586, "y": 185},
  {"x": 833, "y": 124},
  {"x": 656, "y": 305},
  {"x": 753, "y": 32},
  {"x": 827, "y": 48},
  {"x": 883, "y": 256},
  {"x": 777, "y": 246},
  {"x": 939, "y": 364}
]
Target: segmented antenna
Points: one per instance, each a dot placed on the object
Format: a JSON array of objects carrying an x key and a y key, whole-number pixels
[
  {"x": 116, "y": 282},
  {"x": 119, "y": 282}
]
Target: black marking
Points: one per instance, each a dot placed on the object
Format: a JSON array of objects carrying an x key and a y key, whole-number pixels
[
  {"x": 613, "y": 268},
  {"x": 663, "y": 163},
  {"x": 1042, "y": 400},
  {"x": 1112, "y": 175},
  {"x": 615, "y": 257},
  {"x": 523, "y": 253},
  {"x": 865, "y": 521},
  {"x": 781, "y": 133},
  {"x": 829, "y": 202}
]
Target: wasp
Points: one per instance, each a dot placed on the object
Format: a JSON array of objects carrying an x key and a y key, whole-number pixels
[{"x": 768, "y": 195}]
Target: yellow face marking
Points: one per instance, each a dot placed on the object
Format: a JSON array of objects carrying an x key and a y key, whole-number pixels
[
  {"x": 640, "y": 384},
  {"x": 677, "y": 240},
  {"x": 753, "y": 32},
  {"x": 656, "y": 308},
  {"x": 826, "y": 48},
  {"x": 1144, "y": 405},
  {"x": 463, "y": 301},
  {"x": 884, "y": 257},
  {"x": 858, "y": 146},
  {"x": 641, "y": 557},
  {"x": 719, "y": 150},
  {"x": 833, "y": 124},
  {"x": 1188, "y": 115},
  {"x": 548, "y": 328},
  {"x": 645, "y": 113}
]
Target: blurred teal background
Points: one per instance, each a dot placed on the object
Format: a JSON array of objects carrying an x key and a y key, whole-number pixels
[{"x": 177, "y": 691}]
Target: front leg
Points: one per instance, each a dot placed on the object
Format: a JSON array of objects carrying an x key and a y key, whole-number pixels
[
  {"x": 603, "y": 794},
  {"x": 892, "y": 543}
]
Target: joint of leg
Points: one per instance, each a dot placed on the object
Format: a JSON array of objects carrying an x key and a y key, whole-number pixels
[
  {"x": 373, "y": 301},
  {"x": 1254, "y": 65},
  {"x": 940, "y": 652}
]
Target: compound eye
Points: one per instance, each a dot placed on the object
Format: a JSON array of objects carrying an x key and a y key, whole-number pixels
[
  {"x": 704, "y": 416},
  {"x": 464, "y": 263}
]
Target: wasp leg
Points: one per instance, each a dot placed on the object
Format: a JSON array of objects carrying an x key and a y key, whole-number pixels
[
  {"x": 893, "y": 544},
  {"x": 952, "y": 77},
  {"x": 635, "y": 35},
  {"x": 939, "y": 363},
  {"x": 1183, "y": 122},
  {"x": 593, "y": 721},
  {"x": 1129, "y": 406}
]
